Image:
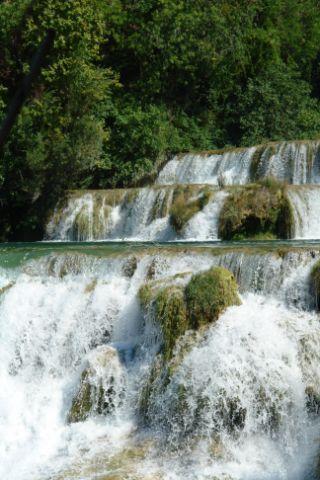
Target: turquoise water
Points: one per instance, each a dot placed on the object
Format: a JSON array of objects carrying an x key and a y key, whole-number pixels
[{"x": 13, "y": 254}]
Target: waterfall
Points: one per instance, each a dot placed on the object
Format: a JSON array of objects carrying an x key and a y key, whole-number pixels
[
  {"x": 144, "y": 214},
  {"x": 292, "y": 162},
  {"x": 63, "y": 313},
  {"x": 230, "y": 168},
  {"x": 305, "y": 202},
  {"x": 137, "y": 214},
  {"x": 90, "y": 388}
]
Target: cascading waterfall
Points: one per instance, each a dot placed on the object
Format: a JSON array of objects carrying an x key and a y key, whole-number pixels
[
  {"x": 145, "y": 214},
  {"x": 64, "y": 314},
  {"x": 91, "y": 389},
  {"x": 137, "y": 214},
  {"x": 230, "y": 168},
  {"x": 305, "y": 202},
  {"x": 292, "y": 162}
]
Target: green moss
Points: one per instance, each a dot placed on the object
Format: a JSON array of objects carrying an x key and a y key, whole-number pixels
[
  {"x": 82, "y": 403},
  {"x": 257, "y": 211},
  {"x": 146, "y": 294},
  {"x": 178, "y": 308},
  {"x": 171, "y": 312},
  {"x": 208, "y": 294},
  {"x": 187, "y": 201},
  {"x": 183, "y": 313},
  {"x": 315, "y": 283}
]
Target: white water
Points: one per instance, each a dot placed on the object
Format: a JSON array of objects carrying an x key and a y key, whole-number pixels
[
  {"x": 231, "y": 168},
  {"x": 143, "y": 217},
  {"x": 254, "y": 358},
  {"x": 144, "y": 214},
  {"x": 306, "y": 207},
  {"x": 61, "y": 312},
  {"x": 293, "y": 162}
]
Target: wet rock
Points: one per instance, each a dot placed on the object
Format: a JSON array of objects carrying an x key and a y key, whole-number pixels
[
  {"x": 312, "y": 400},
  {"x": 257, "y": 211},
  {"x": 130, "y": 266},
  {"x": 101, "y": 386},
  {"x": 208, "y": 294}
]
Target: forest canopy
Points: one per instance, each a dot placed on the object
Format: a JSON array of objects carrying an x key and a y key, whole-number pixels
[{"x": 129, "y": 82}]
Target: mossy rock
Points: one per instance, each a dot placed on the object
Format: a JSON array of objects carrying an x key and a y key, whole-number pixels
[
  {"x": 179, "y": 308},
  {"x": 315, "y": 283},
  {"x": 187, "y": 201},
  {"x": 183, "y": 314},
  {"x": 312, "y": 400},
  {"x": 260, "y": 210},
  {"x": 171, "y": 312},
  {"x": 100, "y": 389},
  {"x": 6, "y": 287},
  {"x": 82, "y": 402},
  {"x": 161, "y": 205},
  {"x": 266, "y": 151},
  {"x": 208, "y": 294},
  {"x": 130, "y": 266}
]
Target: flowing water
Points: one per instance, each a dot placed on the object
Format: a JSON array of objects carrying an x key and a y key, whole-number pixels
[
  {"x": 137, "y": 214},
  {"x": 145, "y": 213},
  {"x": 306, "y": 207},
  {"x": 78, "y": 351},
  {"x": 293, "y": 162},
  {"x": 64, "y": 307}
]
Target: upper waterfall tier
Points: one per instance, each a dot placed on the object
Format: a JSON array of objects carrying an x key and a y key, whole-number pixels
[{"x": 296, "y": 163}]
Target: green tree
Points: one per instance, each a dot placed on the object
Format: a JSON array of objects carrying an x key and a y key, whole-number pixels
[
  {"x": 60, "y": 133},
  {"x": 277, "y": 105}
]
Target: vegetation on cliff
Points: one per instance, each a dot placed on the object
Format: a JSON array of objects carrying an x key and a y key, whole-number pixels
[{"x": 128, "y": 83}]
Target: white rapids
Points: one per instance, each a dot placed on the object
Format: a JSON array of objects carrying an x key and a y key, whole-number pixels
[
  {"x": 145, "y": 214},
  {"x": 305, "y": 202},
  {"x": 62, "y": 312}
]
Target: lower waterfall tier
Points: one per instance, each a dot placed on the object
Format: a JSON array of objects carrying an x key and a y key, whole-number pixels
[{"x": 90, "y": 391}]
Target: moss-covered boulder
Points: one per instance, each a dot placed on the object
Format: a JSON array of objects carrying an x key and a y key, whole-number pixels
[
  {"x": 172, "y": 314},
  {"x": 178, "y": 308},
  {"x": 187, "y": 201},
  {"x": 183, "y": 313},
  {"x": 208, "y": 294},
  {"x": 101, "y": 386},
  {"x": 257, "y": 211},
  {"x": 315, "y": 283},
  {"x": 130, "y": 266}
]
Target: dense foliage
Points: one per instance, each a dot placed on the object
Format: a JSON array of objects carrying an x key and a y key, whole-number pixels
[{"x": 129, "y": 82}]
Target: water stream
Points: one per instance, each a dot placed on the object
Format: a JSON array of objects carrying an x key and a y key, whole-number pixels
[{"x": 60, "y": 305}]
